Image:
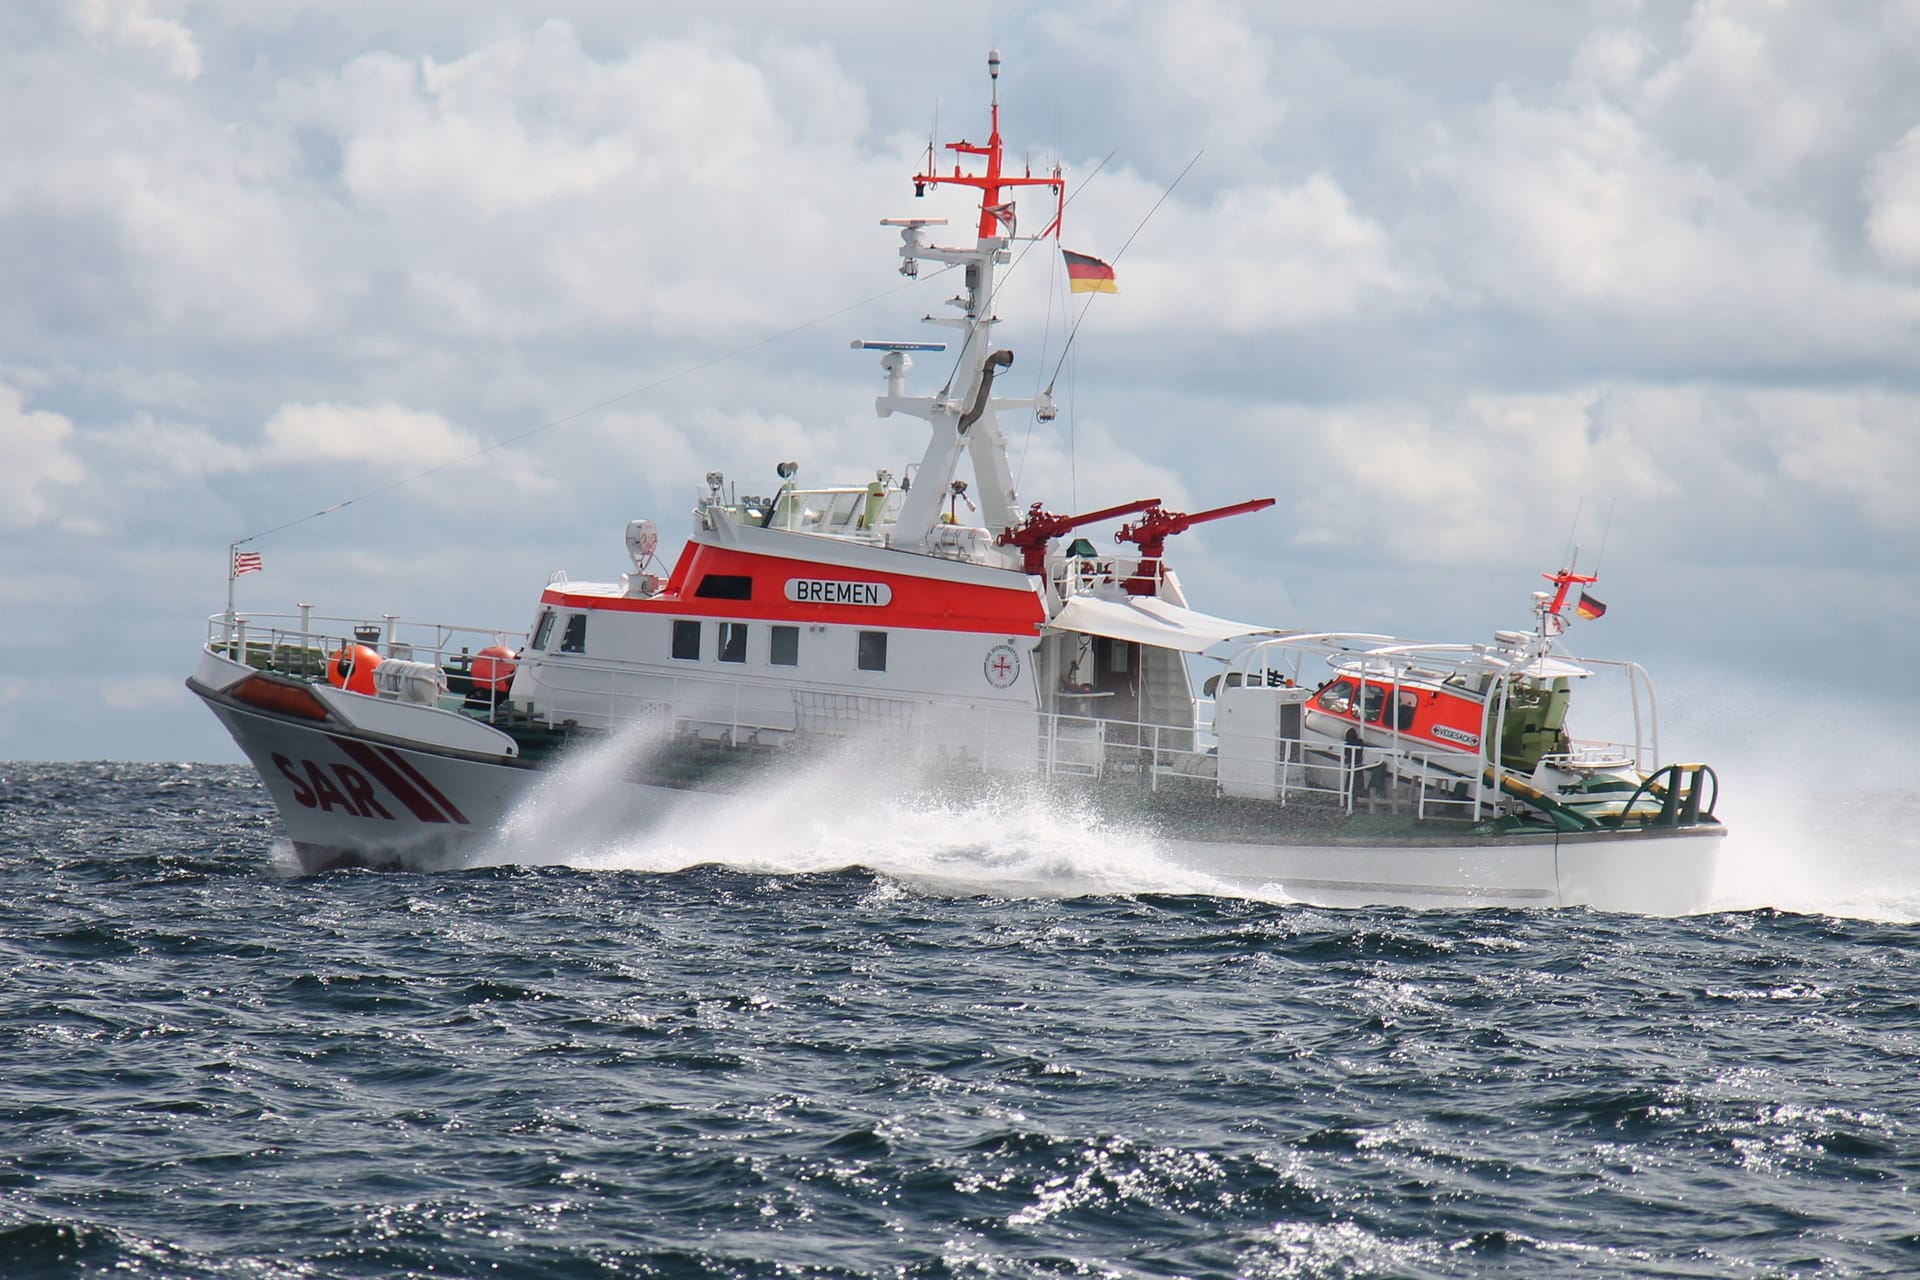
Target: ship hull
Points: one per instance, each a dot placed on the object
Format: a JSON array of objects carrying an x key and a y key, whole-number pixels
[
  {"x": 347, "y": 798},
  {"x": 1646, "y": 872},
  {"x": 352, "y": 798}
]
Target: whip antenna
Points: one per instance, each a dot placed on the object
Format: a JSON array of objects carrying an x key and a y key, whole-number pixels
[
  {"x": 1573, "y": 532},
  {"x": 1604, "y": 531}
]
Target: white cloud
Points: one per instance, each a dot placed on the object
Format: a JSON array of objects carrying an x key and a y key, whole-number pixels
[
  {"x": 147, "y": 453},
  {"x": 1757, "y": 88},
  {"x": 532, "y": 187},
  {"x": 499, "y": 130},
  {"x": 37, "y": 448},
  {"x": 1766, "y": 474},
  {"x": 1209, "y": 52},
  {"x": 1860, "y": 450},
  {"x": 1580, "y": 207},
  {"x": 1579, "y": 219},
  {"x": 389, "y": 446},
  {"x": 139, "y": 209},
  {"x": 1260, "y": 258},
  {"x": 130, "y": 24},
  {"x": 403, "y": 440},
  {"x": 1892, "y": 189}
]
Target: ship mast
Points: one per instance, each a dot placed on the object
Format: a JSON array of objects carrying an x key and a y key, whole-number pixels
[{"x": 964, "y": 416}]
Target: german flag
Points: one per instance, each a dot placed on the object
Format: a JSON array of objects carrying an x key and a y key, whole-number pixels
[
  {"x": 1088, "y": 274},
  {"x": 1589, "y": 608}
]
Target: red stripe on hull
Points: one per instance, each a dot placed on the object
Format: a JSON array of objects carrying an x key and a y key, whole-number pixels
[
  {"x": 918, "y": 603},
  {"x": 370, "y": 760},
  {"x": 420, "y": 780}
]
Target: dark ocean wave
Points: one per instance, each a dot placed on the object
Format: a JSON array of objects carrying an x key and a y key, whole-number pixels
[{"x": 213, "y": 1070}]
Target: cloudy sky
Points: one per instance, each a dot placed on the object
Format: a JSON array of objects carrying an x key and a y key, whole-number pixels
[{"x": 1456, "y": 280}]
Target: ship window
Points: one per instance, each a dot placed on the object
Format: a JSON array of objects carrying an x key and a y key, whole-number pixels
[
  {"x": 575, "y": 639},
  {"x": 543, "y": 630},
  {"x": 1406, "y": 707},
  {"x": 733, "y": 642},
  {"x": 785, "y": 650},
  {"x": 1338, "y": 698},
  {"x": 725, "y": 586},
  {"x": 873, "y": 651},
  {"x": 1376, "y": 698},
  {"x": 686, "y": 639}
]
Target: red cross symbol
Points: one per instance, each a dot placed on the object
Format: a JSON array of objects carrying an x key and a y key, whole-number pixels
[{"x": 1001, "y": 666}]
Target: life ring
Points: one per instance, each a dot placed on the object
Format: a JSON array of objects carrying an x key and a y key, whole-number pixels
[{"x": 350, "y": 667}]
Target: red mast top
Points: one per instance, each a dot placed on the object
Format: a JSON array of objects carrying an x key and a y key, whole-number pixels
[
  {"x": 993, "y": 209},
  {"x": 1562, "y": 582}
]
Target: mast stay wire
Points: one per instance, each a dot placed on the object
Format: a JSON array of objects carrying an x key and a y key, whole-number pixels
[
  {"x": 575, "y": 416},
  {"x": 1046, "y": 331},
  {"x": 1074, "y": 332}
]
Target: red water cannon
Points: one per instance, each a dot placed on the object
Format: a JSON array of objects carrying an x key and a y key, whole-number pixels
[
  {"x": 1156, "y": 525},
  {"x": 1040, "y": 527}
]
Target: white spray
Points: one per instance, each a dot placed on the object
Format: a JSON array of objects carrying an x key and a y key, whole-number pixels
[{"x": 851, "y": 803}]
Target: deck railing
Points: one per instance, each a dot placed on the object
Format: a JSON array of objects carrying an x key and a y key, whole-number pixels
[
  {"x": 738, "y": 712},
  {"x": 300, "y": 644}
]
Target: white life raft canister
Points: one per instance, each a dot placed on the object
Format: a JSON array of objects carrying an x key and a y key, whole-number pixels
[{"x": 403, "y": 681}]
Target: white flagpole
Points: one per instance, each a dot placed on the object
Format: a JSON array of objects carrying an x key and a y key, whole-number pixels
[{"x": 233, "y": 551}]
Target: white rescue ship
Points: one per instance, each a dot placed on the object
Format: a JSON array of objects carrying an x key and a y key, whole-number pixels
[{"x": 1335, "y": 769}]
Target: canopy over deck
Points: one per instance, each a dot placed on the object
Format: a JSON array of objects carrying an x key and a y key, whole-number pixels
[{"x": 1152, "y": 621}]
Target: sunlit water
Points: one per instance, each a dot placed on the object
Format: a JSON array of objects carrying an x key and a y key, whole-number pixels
[{"x": 888, "y": 1040}]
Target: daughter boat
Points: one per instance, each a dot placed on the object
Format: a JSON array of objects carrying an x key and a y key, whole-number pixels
[{"x": 1336, "y": 769}]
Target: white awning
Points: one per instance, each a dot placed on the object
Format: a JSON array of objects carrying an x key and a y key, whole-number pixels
[{"x": 1147, "y": 620}]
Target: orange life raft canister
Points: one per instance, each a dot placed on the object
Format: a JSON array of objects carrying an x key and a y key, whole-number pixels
[
  {"x": 351, "y": 668},
  {"x": 493, "y": 668}
]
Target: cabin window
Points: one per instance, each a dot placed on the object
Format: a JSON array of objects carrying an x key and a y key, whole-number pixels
[
  {"x": 1406, "y": 706},
  {"x": 686, "y": 639},
  {"x": 725, "y": 586},
  {"x": 543, "y": 630},
  {"x": 575, "y": 639},
  {"x": 1337, "y": 698},
  {"x": 1374, "y": 700},
  {"x": 733, "y": 642},
  {"x": 785, "y": 650},
  {"x": 873, "y": 651}
]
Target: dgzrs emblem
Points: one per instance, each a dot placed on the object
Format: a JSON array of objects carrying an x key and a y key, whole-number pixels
[{"x": 1002, "y": 666}]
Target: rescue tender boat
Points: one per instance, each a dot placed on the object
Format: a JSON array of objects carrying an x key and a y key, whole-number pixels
[{"x": 1337, "y": 769}]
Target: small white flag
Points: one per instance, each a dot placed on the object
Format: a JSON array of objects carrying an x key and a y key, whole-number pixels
[{"x": 246, "y": 562}]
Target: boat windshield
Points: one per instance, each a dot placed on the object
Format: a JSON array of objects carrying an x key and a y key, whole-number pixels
[{"x": 1337, "y": 698}]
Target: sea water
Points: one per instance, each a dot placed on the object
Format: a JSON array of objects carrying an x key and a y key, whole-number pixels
[{"x": 812, "y": 1036}]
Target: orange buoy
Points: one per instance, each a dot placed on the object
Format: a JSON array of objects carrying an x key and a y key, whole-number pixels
[
  {"x": 493, "y": 668},
  {"x": 351, "y": 668}
]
